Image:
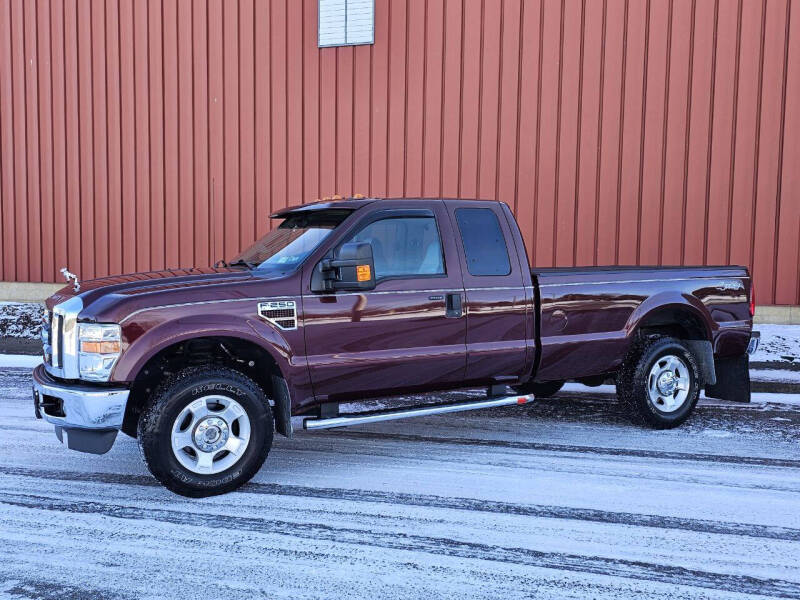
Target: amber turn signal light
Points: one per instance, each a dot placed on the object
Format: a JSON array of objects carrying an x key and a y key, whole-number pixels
[
  {"x": 363, "y": 273},
  {"x": 100, "y": 347}
]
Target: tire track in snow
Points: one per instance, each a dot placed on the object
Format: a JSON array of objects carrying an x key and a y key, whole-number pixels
[
  {"x": 627, "y": 569},
  {"x": 570, "y": 448},
  {"x": 450, "y": 503},
  {"x": 15, "y": 587}
]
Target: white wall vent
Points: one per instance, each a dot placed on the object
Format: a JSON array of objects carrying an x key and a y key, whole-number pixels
[{"x": 346, "y": 22}]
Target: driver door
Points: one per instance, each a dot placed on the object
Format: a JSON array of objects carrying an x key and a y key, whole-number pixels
[{"x": 400, "y": 336}]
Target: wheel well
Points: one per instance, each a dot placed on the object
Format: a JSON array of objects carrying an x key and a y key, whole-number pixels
[
  {"x": 675, "y": 321},
  {"x": 242, "y": 355}
]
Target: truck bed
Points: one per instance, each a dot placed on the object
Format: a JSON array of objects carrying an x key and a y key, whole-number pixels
[{"x": 587, "y": 314}]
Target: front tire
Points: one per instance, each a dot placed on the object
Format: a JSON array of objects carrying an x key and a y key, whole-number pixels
[
  {"x": 206, "y": 431},
  {"x": 659, "y": 382}
]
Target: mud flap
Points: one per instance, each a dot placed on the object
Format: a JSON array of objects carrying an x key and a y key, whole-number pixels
[
  {"x": 283, "y": 406},
  {"x": 733, "y": 379},
  {"x": 704, "y": 354}
]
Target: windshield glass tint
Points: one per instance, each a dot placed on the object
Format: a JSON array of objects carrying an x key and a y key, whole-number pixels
[{"x": 288, "y": 245}]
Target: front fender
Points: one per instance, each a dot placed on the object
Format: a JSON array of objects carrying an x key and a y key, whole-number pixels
[{"x": 144, "y": 344}]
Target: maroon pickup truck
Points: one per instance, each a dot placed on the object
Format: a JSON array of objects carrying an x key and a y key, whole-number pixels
[{"x": 364, "y": 298}]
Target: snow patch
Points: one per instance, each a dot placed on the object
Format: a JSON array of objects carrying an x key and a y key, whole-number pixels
[{"x": 20, "y": 319}]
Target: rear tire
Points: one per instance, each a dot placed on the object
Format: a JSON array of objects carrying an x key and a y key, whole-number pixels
[
  {"x": 659, "y": 382},
  {"x": 206, "y": 431},
  {"x": 540, "y": 389}
]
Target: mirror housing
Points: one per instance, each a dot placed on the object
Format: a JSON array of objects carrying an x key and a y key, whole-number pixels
[{"x": 351, "y": 269}]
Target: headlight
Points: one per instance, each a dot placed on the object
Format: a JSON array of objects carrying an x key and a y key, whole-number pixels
[{"x": 98, "y": 349}]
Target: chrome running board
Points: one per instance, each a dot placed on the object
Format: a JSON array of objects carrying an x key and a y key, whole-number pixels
[{"x": 414, "y": 411}]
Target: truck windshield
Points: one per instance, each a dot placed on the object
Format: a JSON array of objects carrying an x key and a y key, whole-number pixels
[{"x": 288, "y": 245}]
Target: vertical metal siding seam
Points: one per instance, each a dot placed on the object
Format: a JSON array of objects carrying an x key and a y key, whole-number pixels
[
  {"x": 756, "y": 153},
  {"x": 25, "y": 137},
  {"x": 39, "y": 143},
  {"x": 149, "y": 266},
  {"x": 223, "y": 97},
  {"x": 13, "y": 174},
  {"x": 734, "y": 127},
  {"x": 109, "y": 233},
  {"x": 179, "y": 105},
  {"x": 192, "y": 100},
  {"x": 335, "y": 124},
  {"x": 388, "y": 92},
  {"x": 134, "y": 104},
  {"x": 519, "y": 107},
  {"x": 642, "y": 132},
  {"x": 556, "y": 202},
  {"x": 687, "y": 135},
  {"x": 91, "y": 143},
  {"x": 302, "y": 199},
  {"x": 209, "y": 173},
  {"x": 121, "y": 240},
  {"x": 52, "y": 232},
  {"x": 578, "y": 135},
  {"x": 424, "y": 94},
  {"x": 599, "y": 162},
  {"x": 670, "y": 16},
  {"x": 79, "y": 243},
  {"x": 710, "y": 127},
  {"x": 369, "y": 141},
  {"x": 480, "y": 101},
  {"x": 779, "y": 189},
  {"x": 285, "y": 101},
  {"x": 239, "y": 117},
  {"x": 441, "y": 98},
  {"x": 538, "y": 132},
  {"x": 621, "y": 140},
  {"x": 498, "y": 127},
  {"x": 460, "y": 102},
  {"x": 405, "y": 107}
]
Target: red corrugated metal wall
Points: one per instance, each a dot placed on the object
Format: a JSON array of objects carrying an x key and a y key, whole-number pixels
[{"x": 141, "y": 134}]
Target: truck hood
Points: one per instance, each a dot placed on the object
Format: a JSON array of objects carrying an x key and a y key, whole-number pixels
[{"x": 110, "y": 299}]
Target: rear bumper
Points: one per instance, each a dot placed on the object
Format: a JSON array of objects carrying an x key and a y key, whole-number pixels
[{"x": 86, "y": 417}]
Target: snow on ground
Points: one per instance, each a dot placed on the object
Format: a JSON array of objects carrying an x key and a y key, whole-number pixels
[
  {"x": 559, "y": 499},
  {"x": 20, "y": 319},
  {"x": 779, "y": 343},
  {"x": 19, "y": 360}
]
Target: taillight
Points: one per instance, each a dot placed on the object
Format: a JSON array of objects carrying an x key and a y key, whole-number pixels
[{"x": 752, "y": 300}]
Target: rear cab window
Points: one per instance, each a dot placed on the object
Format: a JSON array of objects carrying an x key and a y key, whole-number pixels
[{"x": 484, "y": 244}]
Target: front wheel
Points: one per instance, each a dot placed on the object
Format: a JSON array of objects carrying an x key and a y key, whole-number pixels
[
  {"x": 659, "y": 382},
  {"x": 206, "y": 431}
]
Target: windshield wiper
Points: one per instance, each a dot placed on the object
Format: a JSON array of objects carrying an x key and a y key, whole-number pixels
[{"x": 242, "y": 262}]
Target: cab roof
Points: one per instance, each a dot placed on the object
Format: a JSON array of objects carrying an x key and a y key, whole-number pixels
[{"x": 352, "y": 203}]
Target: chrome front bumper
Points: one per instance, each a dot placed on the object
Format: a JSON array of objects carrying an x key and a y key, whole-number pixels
[{"x": 86, "y": 417}]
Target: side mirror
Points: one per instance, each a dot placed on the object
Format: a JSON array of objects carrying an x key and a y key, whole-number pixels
[{"x": 352, "y": 268}]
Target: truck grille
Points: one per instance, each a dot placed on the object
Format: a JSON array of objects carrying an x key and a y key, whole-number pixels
[
  {"x": 281, "y": 313},
  {"x": 52, "y": 336}
]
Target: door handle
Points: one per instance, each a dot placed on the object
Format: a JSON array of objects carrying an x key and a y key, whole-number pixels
[{"x": 453, "y": 305}]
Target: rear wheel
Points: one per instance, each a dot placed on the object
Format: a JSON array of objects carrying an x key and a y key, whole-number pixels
[
  {"x": 206, "y": 431},
  {"x": 540, "y": 389},
  {"x": 659, "y": 382}
]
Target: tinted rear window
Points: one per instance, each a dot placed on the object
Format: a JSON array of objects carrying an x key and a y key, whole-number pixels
[{"x": 483, "y": 241}]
